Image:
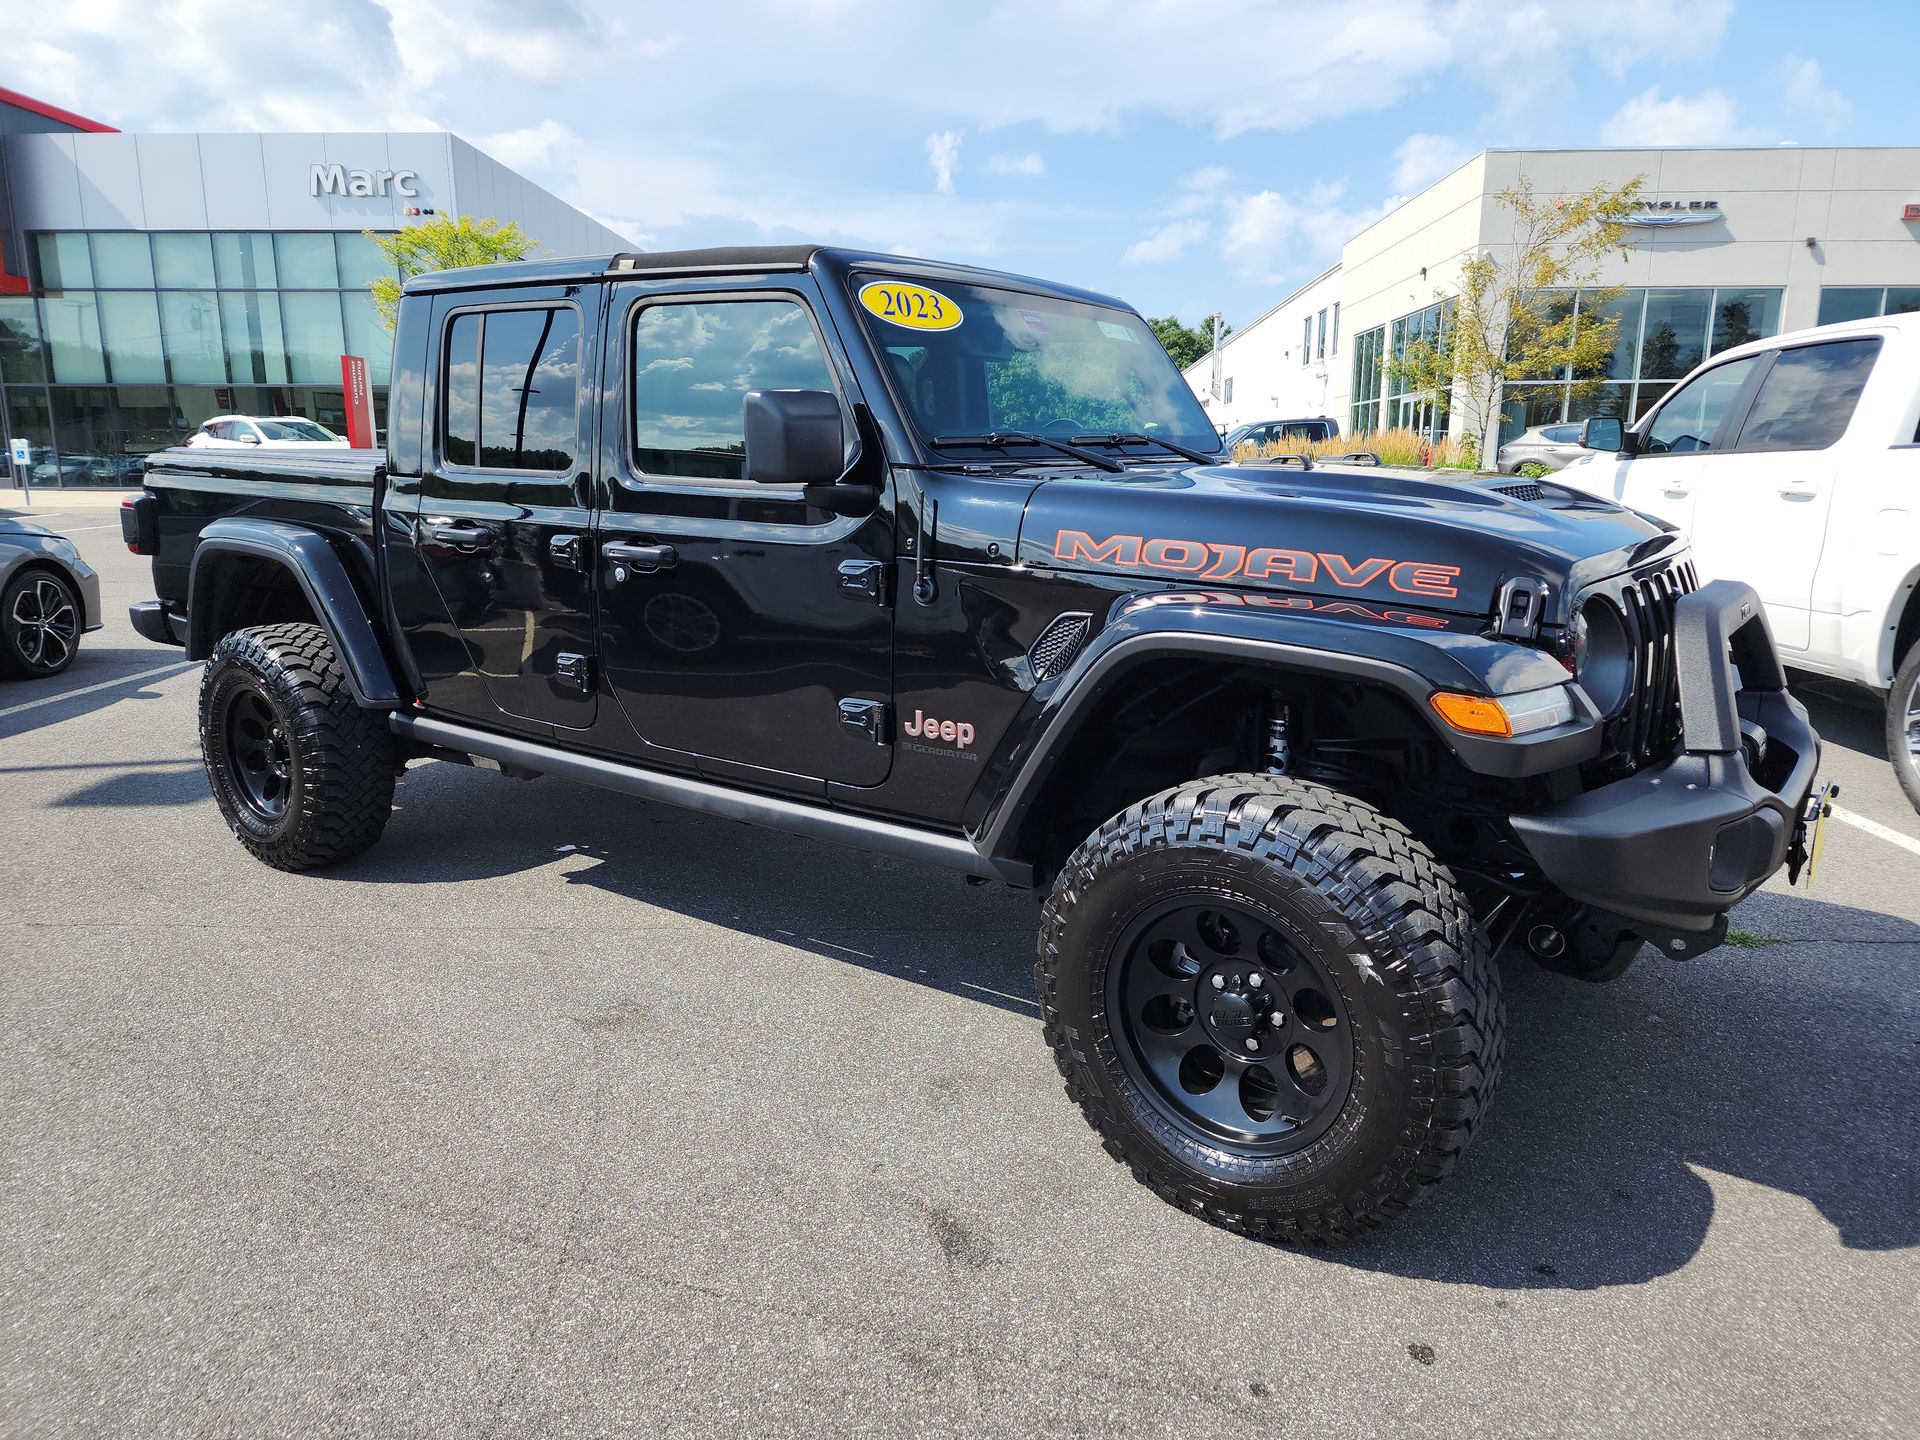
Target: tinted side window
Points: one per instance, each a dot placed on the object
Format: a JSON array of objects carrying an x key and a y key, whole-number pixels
[
  {"x": 1562, "y": 434},
  {"x": 693, "y": 363},
  {"x": 511, "y": 385},
  {"x": 460, "y": 383},
  {"x": 529, "y": 378},
  {"x": 1693, "y": 415},
  {"x": 1808, "y": 396}
]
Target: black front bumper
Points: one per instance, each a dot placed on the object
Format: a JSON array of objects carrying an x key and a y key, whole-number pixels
[{"x": 1677, "y": 844}]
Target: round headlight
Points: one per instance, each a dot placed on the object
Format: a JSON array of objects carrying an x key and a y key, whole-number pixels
[{"x": 1602, "y": 658}]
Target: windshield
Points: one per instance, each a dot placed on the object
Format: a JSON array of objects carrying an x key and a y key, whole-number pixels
[
  {"x": 972, "y": 360},
  {"x": 294, "y": 430}
]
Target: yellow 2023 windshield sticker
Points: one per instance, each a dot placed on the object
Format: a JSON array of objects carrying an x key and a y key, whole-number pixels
[{"x": 913, "y": 307}]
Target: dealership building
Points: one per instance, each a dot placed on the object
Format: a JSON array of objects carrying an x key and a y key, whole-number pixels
[
  {"x": 1729, "y": 245},
  {"x": 148, "y": 282}
]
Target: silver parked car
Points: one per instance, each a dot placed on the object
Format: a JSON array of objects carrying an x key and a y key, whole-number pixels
[
  {"x": 1553, "y": 446},
  {"x": 48, "y": 596}
]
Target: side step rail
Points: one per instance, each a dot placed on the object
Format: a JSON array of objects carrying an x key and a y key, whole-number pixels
[{"x": 880, "y": 837}]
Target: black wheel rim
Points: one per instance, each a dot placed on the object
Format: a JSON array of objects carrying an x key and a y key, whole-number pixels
[
  {"x": 45, "y": 623},
  {"x": 260, "y": 754},
  {"x": 1230, "y": 1026}
]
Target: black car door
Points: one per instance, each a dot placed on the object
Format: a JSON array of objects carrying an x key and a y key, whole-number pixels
[
  {"x": 743, "y": 631},
  {"x": 504, "y": 521}
]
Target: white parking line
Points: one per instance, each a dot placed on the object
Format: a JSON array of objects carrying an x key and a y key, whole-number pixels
[
  {"x": 173, "y": 669},
  {"x": 1874, "y": 827}
]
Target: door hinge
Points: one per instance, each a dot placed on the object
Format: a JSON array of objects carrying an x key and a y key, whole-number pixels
[
  {"x": 864, "y": 580},
  {"x": 867, "y": 719},
  {"x": 574, "y": 670}
]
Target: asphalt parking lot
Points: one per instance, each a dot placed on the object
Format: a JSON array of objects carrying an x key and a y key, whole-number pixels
[{"x": 560, "y": 1114}]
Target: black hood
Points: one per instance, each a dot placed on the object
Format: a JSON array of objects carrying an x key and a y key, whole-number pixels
[{"x": 1355, "y": 533}]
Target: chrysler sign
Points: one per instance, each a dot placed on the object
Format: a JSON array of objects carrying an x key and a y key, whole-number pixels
[
  {"x": 1666, "y": 214},
  {"x": 362, "y": 184}
]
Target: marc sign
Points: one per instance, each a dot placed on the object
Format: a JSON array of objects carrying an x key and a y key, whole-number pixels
[
  {"x": 362, "y": 184},
  {"x": 1667, "y": 214}
]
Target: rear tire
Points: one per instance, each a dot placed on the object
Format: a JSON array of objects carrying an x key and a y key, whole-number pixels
[
  {"x": 1903, "y": 725},
  {"x": 1270, "y": 910},
  {"x": 302, "y": 774}
]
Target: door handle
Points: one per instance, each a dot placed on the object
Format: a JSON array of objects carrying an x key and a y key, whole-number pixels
[
  {"x": 1679, "y": 493},
  {"x": 460, "y": 535},
  {"x": 1798, "y": 492},
  {"x": 643, "y": 559}
]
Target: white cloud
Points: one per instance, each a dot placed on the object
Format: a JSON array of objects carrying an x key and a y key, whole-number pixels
[
  {"x": 943, "y": 154},
  {"x": 1808, "y": 98},
  {"x": 530, "y": 149},
  {"x": 1419, "y": 160},
  {"x": 1278, "y": 239},
  {"x": 1166, "y": 242},
  {"x": 1027, "y": 164},
  {"x": 1710, "y": 118}
]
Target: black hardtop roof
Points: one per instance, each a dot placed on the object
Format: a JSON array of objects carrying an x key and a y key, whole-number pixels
[{"x": 730, "y": 260}]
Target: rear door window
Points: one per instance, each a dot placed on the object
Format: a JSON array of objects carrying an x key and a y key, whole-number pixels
[
  {"x": 1809, "y": 396},
  {"x": 512, "y": 386}
]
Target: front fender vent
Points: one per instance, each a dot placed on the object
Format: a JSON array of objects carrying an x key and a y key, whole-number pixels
[{"x": 1058, "y": 644}]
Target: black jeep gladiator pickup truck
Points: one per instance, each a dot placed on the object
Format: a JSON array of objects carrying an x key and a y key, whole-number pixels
[{"x": 948, "y": 564}]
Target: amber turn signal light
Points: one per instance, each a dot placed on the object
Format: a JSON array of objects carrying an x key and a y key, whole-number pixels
[{"x": 1472, "y": 714}]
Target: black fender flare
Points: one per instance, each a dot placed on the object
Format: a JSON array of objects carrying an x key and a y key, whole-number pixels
[
  {"x": 310, "y": 558},
  {"x": 1408, "y": 662}
]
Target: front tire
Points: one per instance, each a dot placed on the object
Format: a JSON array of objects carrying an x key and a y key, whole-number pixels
[
  {"x": 40, "y": 624},
  {"x": 1903, "y": 725},
  {"x": 1271, "y": 1002},
  {"x": 302, "y": 774}
]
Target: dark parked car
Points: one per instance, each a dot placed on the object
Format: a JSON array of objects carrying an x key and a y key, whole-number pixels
[
  {"x": 1269, "y": 432},
  {"x": 48, "y": 598}
]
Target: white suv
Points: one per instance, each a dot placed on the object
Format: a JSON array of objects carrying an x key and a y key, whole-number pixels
[
  {"x": 1794, "y": 463},
  {"x": 275, "y": 432}
]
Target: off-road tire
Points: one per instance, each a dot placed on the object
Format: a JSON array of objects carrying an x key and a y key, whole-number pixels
[
  {"x": 338, "y": 790},
  {"x": 1390, "y": 929},
  {"x": 1903, "y": 701}
]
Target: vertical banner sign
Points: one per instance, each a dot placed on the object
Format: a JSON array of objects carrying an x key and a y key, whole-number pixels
[{"x": 353, "y": 377}]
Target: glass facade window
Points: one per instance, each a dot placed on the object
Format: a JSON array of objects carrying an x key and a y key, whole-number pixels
[
  {"x": 306, "y": 261},
  {"x": 21, "y": 354},
  {"x": 1865, "y": 302},
  {"x": 183, "y": 261},
  {"x": 1363, "y": 415},
  {"x": 1661, "y": 336},
  {"x": 122, "y": 260},
  {"x": 245, "y": 262},
  {"x": 137, "y": 337},
  {"x": 1407, "y": 409}
]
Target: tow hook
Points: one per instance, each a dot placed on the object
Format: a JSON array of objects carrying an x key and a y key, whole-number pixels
[{"x": 1803, "y": 851}]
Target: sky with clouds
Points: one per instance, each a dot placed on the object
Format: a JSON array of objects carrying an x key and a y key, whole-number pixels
[{"x": 1189, "y": 156}]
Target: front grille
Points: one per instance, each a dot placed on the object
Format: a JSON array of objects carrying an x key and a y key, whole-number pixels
[
  {"x": 1058, "y": 644},
  {"x": 1649, "y": 722}
]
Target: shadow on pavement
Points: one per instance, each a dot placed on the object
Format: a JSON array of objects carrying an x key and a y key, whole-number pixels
[
  {"x": 1784, "y": 1065},
  {"x": 1845, "y": 715},
  {"x": 94, "y": 665}
]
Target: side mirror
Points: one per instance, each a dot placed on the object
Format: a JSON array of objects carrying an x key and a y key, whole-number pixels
[
  {"x": 248, "y": 438},
  {"x": 794, "y": 437},
  {"x": 1603, "y": 432}
]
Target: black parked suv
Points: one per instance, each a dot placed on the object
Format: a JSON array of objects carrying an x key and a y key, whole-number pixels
[{"x": 948, "y": 564}]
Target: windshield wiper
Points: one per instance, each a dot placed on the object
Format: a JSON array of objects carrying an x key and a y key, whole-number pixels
[
  {"x": 1129, "y": 437},
  {"x": 1000, "y": 439}
]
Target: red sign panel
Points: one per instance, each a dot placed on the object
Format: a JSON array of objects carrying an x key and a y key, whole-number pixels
[
  {"x": 353, "y": 376},
  {"x": 1913, "y": 213}
]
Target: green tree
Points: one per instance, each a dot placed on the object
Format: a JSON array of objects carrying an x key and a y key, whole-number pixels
[
  {"x": 1511, "y": 318},
  {"x": 446, "y": 242},
  {"x": 1186, "y": 344}
]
